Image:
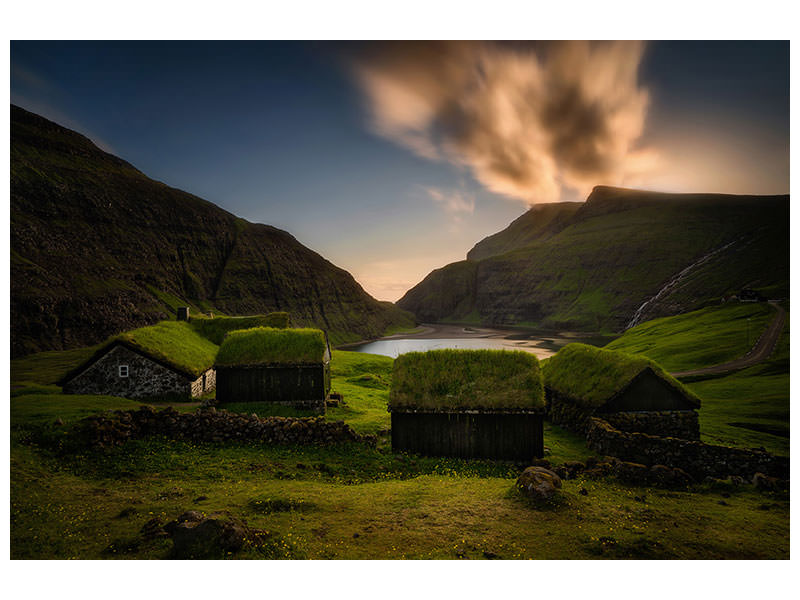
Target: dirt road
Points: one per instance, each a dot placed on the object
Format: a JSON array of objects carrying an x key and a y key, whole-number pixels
[{"x": 760, "y": 351}]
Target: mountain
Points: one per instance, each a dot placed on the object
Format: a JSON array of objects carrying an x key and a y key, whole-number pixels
[
  {"x": 540, "y": 223},
  {"x": 97, "y": 248},
  {"x": 621, "y": 257}
]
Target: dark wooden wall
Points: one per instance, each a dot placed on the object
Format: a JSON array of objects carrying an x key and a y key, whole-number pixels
[
  {"x": 465, "y": 435},
  {"x": 273, "y": 384},
  {"x": 649, "y": 392}
]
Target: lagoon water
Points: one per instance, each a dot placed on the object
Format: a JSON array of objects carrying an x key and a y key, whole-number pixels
[
  {"x": 437, "y": 337},
  {"x": 395, "y": 347}
]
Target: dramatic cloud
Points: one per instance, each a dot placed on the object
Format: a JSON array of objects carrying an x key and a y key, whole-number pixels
[{"x": 526, "y": 119}]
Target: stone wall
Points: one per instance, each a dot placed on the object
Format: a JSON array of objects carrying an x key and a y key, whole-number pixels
[
  {"x": 209, "y": 425},
  {"x": 676, "y": 423},
  {"x": 565, "y": 413},
  {"x": 146, "y": 378},
  {"x": 696, "y": 458}
]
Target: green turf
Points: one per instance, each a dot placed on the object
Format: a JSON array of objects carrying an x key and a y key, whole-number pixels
[
  {"x": 353, "y": 501},
  {"x": 701, "y": 338},
  {"x": 591, "y": 375},
  {"x": 175, "y": 343},
  {"x": 215, "y": 329},
  {"x": 749, "y": 408},
  {"x": 266, "y": 345},
  {"x": 466, "y": 379},
  {"x": 47, "y": 368}
]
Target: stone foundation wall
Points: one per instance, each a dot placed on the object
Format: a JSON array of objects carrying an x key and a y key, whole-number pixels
[
  {"x": 696, "y": 458},
  {"x": 209, "y": 425},
  {"x": 676, "y": 423},
  {"x": 146, "y": 379},
  {"x": 565, "y": 413}
]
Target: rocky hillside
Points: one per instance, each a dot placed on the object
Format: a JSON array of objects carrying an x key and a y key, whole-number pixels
[
  {"x": 592, "y": 266},
  {"x": 97, "y": 248}
]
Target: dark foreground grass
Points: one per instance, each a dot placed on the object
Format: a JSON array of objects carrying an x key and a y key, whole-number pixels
[{"x": 354, "y": 501}]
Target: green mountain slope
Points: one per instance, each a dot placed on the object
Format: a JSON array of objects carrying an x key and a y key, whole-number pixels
[
  {"x": 98, "y": 248},
  {"x": 593, "y": 268},
  {"x": 540, "y": 223}
]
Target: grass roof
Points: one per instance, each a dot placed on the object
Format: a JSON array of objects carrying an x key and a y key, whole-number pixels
[
  {"x": 174, "y": 343},
  {"x": 216, "y": 328},
  {"x": 268, "y": 346},
  {"x": 590, "y": 376},
  {"x": 442, "y": 380}
]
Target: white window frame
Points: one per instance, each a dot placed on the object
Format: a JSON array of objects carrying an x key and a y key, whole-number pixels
[{"x": 124, "y": 371}]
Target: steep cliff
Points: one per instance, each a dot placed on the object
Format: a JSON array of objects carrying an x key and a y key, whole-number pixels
[
  {"x": 97, "y": 248},
  {"x": 592, "y": 266}
]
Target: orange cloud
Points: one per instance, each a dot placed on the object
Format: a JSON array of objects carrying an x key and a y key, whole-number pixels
[{"x": 526, "y": 120}]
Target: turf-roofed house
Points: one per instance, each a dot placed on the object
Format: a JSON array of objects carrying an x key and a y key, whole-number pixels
[
  {"x": 290, "y": 367},
  {"x": 468, "y": 403},
  {"x": 632, "y": 393},
  {"x": 166, "y": 360}
]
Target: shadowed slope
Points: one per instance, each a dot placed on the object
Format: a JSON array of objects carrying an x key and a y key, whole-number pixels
[
  {"x": 617, "y": 251},
  {"x": 98, "y": 248}
]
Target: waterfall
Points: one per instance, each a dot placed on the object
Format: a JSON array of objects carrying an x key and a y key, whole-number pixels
[{"x": 674, "y": 281}]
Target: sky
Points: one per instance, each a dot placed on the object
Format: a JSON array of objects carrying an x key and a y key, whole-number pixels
[{"x": 393, "y": 159}]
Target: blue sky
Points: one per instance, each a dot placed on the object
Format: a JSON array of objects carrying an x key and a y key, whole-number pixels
[{"x": 305, "y": 137}]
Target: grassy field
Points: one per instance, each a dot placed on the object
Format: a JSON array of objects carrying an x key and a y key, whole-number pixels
[
  {"x": 747, "y": 408},
  {"x": 352, "y": 501},
  {"x": 701, "y": 338}
]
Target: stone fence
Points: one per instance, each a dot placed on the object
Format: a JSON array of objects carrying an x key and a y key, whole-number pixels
[
  {"x": 696, "y": 458},
  {"x": 682, "y": 424},
  {"x": 210, "y": 425},
  {"x": 563, "y": 411}
]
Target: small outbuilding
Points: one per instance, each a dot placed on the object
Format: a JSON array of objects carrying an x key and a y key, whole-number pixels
[
  {"x": 468, "y": 403},
  {"x": 169, "y": 360},
  {"x": 632, "y": 393},
  {"x": 290, "y": 367}
]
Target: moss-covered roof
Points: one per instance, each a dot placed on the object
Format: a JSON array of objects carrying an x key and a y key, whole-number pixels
[
  {"x": 445, "y": 380},
  {"x": 269, "y": 346},
  {"x": 172, "y": 343},
  {"x": 216, "y": 328},
  {"x": 591, "y": 376}
]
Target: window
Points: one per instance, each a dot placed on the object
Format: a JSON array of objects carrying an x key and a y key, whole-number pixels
[{"x": 123, "y": 370}]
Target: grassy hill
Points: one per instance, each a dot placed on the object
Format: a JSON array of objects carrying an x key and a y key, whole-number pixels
[
  {"x": 748, "y": 408},
  {"x": 590, "y": 268},
  {"x": 98, "y": 248}
]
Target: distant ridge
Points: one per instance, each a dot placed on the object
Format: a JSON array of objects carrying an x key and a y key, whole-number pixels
[
  {"x": 98, "y": 248},
  {"x": 590, "y": 266}
]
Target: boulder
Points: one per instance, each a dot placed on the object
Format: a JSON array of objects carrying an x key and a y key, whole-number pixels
[
  {"x": 195, "y": 535},
  {"x": 630, "y": 472},
  {"x": 669, "y": 477},
  {"x": 574, "y": 468},
  {"x": 765, "y": 483},
  {"x": 538, "y": 483}
]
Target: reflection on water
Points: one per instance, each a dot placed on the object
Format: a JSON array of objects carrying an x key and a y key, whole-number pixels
[{"x": 542, "y": 347}]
